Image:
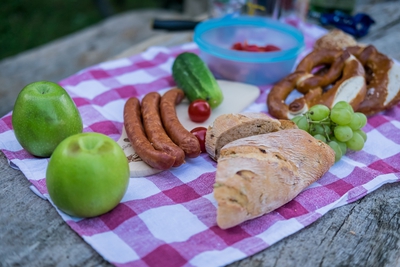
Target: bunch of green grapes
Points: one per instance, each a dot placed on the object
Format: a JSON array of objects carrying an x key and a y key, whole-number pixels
[{"x": 339, "y": 127}]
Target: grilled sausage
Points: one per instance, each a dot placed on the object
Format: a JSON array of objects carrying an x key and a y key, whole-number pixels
[
  {"x": 182, "y": 137},
  {"x": 136, "y": 135},
  {"x": 154, "y": 129}
]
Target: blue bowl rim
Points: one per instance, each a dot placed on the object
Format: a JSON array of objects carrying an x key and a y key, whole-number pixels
[{"x": 240, "y": 56}]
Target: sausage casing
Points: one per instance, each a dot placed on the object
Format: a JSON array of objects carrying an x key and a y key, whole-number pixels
[
  {"x": 136, "y": 135},
  {"x": 155, "y": 131},
  {"x": 182, "y": 137}
]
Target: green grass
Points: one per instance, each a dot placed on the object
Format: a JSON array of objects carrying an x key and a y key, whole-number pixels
[{"x": 26, "y": 24}]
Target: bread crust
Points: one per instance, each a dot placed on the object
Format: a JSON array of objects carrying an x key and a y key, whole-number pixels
[
  {"x": 257, "y": 174},
  {"x": 229, "y": 127},
  {"x": 287, "y": 124},
  {"x": 335, "y": 39}
]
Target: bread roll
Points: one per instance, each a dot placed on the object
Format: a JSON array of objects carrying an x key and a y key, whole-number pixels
[
  {"x": 335, "y": 39},
  {"x": 257, "y": 174},
  {"x": 229, "y": 127}
]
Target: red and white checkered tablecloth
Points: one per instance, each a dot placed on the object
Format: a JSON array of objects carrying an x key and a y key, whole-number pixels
[{"x": 169, "y": 219}]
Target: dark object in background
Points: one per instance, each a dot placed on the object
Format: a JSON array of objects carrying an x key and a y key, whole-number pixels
[
  {"x": 330, "y": 6},
  {"x": 107, "y": 8},
  {"x": 104, "y": 7},
  {"x": 357, "y": 25},
  {"x": 174, "y": 25}
]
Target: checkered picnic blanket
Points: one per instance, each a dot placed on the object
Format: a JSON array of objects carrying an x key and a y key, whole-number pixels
[{"x": 169, "y": 219}]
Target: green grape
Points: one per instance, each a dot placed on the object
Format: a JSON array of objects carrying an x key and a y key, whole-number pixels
[
  {"x": 327, "y": 129},
  {"x": 362, "y": 133},
  {"x": 343, "y": 146},
  {"x": 341, "y": 116},
  {"x": 356, "y": 142},
  {"x": 296, "y": 119},
  {"x": 303, "y": 124},
  {"x": 318, "y": 112},
  {"x": 356, "y": 121},
  {"x": 343, "y": 133},
  {"x": 320, "y": 137},
  {"x": 316, "y": 129},
  {"x": 336, "y": 148},
  {"x": 363, "y": 119},
  {"x": 343, "y": 104}
]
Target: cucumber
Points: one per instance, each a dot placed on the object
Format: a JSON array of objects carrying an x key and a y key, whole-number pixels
[{"x": 193, "y": 76}]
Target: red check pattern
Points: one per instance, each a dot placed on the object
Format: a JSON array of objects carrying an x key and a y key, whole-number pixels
[{"x": 169, "y": 219}]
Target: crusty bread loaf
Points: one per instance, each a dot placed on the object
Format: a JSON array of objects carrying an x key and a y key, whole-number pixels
[
  {"x": 287, "y": 124},
  {"x": 258, "y": 174},
  {"x": 229, "y": 127}
]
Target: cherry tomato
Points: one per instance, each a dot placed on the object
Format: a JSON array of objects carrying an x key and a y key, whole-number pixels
[
  {"x": 200, "y": 133},
  {"x": 237, "y": 46},
  {"x": 199, "y": 110},
  {"x": 254, "y": 48},
  {"x": 269, "y": 48}
]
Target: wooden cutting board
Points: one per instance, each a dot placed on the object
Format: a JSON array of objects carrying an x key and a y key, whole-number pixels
[{"x": 237, "y": 96}]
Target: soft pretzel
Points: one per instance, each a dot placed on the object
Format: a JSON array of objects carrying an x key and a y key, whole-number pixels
[
  {"x": 315, "y": 59},
  {"x": 351, "y": 86},
  {"x": 383, "y": 79}
]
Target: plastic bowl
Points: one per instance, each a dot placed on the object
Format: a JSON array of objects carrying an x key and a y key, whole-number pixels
[{"x": 215, "y": 38}]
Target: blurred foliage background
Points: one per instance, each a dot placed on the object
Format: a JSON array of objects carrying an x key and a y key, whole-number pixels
[{"x": 26, "y": 24}]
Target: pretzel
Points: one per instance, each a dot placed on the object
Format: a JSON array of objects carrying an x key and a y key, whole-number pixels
[
  {"x": 346, "y": 74},
  {"x": 315, "y": 59},
  {"x": 383, "y": 79}
]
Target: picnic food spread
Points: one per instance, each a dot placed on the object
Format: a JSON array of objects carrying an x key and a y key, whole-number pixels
[
  {"x": 264, "y": 162},
  {"x": 172, "y": 214}
]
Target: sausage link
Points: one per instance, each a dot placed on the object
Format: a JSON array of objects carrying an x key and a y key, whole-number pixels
[
  {"x": 182, "y": 137},
  {"x": 137, "y": 137},
  {"x": 154, "y": 129}
]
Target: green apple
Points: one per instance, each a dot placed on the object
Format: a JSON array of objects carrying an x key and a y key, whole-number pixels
[
  {"x": 44, "y": 115},
  {"x": 87, "y": 175}
]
